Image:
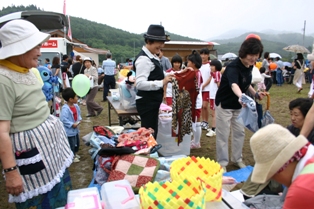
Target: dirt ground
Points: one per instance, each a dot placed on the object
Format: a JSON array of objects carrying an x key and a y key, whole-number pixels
[{"x": 81, "y": 173}]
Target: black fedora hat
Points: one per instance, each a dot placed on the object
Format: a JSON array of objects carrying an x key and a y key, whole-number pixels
[{"x": 157, "y": 33}]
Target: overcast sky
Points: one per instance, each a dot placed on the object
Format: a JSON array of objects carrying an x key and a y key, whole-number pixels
[{"x": 202, "y": 19}]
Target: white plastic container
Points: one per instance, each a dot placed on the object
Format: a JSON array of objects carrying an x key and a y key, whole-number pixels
[
  {"x": 170, "y": 145},
  {"x": 88, "y": 198},
  {"x": 118, "y": 195}
]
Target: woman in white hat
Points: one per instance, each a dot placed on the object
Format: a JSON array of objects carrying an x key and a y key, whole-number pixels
[
  {"x": 34, "y": 150},
  {"x": 91, "y": 72},
  {"x": 287, "y": 159},
  {"x": 150, "y": 77}
]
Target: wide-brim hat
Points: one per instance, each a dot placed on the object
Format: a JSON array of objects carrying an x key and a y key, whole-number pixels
[
  {"x": 272, "y": 147},
  {"x": 18, "y": 37},
  {"x": 156, "y": 33}
]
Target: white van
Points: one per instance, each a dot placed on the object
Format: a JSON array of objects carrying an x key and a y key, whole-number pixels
[{"x": 45, "y": 21}]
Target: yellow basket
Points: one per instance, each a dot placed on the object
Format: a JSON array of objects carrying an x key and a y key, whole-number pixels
[
  {"x": 205, "y": 170},
  {"x": 178, "y": 194}
]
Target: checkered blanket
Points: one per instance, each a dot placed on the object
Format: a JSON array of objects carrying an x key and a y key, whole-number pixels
[{"x": 137, "y": 169}]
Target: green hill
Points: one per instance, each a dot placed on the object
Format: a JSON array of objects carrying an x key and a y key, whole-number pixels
[
  {"x": 124, "y": 44},
  {"x": 272, "y": 43},
  {"x": 121, "y": 43}
]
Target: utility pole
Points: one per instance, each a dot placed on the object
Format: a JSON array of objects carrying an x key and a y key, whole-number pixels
[
  {"x": 304, "y": 32},
  {"x": 133, "y": 49}
]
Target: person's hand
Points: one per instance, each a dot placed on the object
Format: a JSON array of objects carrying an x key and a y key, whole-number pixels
[
  {"x": 240, "y": 101},
  {"x": 261, "y": 95},
  {"x": 76, "y": 124},
  {"x": 14, "y": 183},
  {"x": 228, "y": 180},
  {"x": 167, "y": 79},
  {"x": 188, "y": 68}
]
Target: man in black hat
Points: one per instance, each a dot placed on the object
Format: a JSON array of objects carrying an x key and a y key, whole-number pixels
[{"x": 150, "y": 77}]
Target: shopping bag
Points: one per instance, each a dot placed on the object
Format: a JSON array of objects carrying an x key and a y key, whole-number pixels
[
  {"x": 256, "y": 76},
  {"x": 267, "y": 117}
]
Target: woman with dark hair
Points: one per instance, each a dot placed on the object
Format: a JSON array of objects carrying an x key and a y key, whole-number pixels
[
  {"x": 298, "y": 78},
  {"x": 298, "y": 110},
  {"x": 150, "y": 78},
  {"x": 268, "y": 81},
  {"x": 235, "y": 80},
  {"x": 55, "y": 67}
]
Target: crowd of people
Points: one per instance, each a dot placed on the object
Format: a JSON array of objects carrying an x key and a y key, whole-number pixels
[{"x": 36, "y": 171}]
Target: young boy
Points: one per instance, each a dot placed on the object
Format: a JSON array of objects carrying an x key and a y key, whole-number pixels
[
  {"x": 71, "y": 118},
  {"x": 215, "y": 67},
  {"x": 195, "y": 63},
  {"x": 205, "y": 71}
]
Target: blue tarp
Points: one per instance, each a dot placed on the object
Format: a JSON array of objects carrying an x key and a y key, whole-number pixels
[{"x": 240, "y": 175}]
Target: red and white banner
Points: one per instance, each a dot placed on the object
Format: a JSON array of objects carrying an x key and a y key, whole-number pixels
[
  {"x": 69, "y": 30},
  {"x": 64, "y": 7}
]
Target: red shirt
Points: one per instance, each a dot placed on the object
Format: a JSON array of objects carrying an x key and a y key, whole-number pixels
[
  {"x": 301, "y": 192},
  {"x": 73, "y": 109}
]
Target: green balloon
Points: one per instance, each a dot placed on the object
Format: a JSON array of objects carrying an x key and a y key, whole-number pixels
[{"x": 81, "y": 85}]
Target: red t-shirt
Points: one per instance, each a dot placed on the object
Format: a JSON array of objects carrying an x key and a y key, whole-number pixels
[
  {"x": 301, "y": 192},
  {"x": 73, "y": 109}
]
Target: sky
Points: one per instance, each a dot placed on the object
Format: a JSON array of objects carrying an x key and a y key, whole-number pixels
[{"x": 201, "y": 19}]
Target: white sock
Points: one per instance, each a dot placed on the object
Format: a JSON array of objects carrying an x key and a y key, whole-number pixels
[{"x": 197, "y": 132}]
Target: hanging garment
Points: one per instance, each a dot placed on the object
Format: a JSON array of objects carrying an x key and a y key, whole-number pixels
[{"x": 185, "y": 89}]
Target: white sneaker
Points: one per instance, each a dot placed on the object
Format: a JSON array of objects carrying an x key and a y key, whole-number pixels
[
  {"x": 224, "y": 168},
  {"x": 240, "y": 164},
  {"x": 76, "y": 160},
  {"x": 77, "y": 156},
  {"x": 211, "y": 133},
  {"x": 195, "y": 145}
]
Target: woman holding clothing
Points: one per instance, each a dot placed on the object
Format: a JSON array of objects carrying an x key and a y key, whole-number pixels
[
  {"x": 91, "y": 72},
  {"x": 235, "y": 80},
  {"x": 150, "y": 77}
]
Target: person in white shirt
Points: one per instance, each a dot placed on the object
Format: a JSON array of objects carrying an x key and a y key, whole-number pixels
[
  {"x": 205, "y": 71},
  {"x": 150, "y": 78},
  {"x": 261, "y": 85}
]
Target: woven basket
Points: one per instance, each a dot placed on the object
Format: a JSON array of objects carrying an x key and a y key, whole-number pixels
[
  {"x": 202, "y": 169},
  {"x": 178, "y": 194}
]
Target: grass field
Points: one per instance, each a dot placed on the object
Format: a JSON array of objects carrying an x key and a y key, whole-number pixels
[{"x": 81, "y": 173}]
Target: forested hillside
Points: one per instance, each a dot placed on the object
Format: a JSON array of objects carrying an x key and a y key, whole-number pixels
[
  {"x": 121, "y": 43},
  {"x": 272, "y": 43},
  {"x": 124, "y": 44}
]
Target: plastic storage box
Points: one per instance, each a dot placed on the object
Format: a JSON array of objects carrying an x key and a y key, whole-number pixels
[
  {"x": 88, "y": 198},
  {"x": 118, "y": 195}
]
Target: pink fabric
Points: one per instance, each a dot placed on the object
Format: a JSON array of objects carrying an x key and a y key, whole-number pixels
[{"x": 165, "y": 107}]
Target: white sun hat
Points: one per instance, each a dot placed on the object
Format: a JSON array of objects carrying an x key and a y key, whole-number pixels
[
  {"x": 272, "y": 146},
  {"x": 18, "y": 37}
]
